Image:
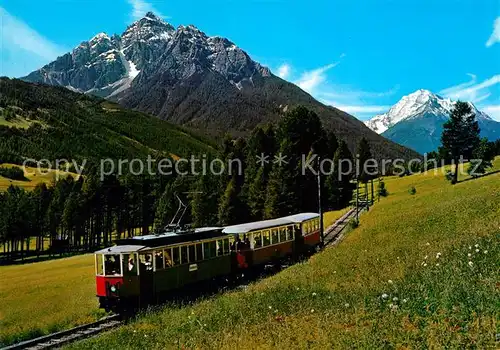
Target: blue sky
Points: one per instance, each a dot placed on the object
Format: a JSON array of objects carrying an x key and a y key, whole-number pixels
[{"x": 360, "y": 56}]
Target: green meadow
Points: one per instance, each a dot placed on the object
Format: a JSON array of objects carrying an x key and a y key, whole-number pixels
[{"x": 421, "y": 271}]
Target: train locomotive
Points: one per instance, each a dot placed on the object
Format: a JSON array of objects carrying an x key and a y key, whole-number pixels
[{"x": 137, "y": 271}]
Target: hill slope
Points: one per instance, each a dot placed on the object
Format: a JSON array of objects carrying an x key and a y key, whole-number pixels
[
  {"x": 186, "y": 77},
  {"x": 419, "y": 272},
  {"x": 416, "y": 121},
  {"x": 64, "y": 124}
]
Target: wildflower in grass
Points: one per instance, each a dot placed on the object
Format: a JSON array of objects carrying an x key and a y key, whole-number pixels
[
  {"x": 437, "y": 264},
  {"x": 438, "y": 255},
  {"x": 469, "y": 255},
  {"x": 477, "y": 250},
  {"x": 384, "y": 296},
  {"x": 477, "y": 246},
  {"x": 485, "y": 252},
  {"x": 276, "y": 311},
  {"x": 427, "y": 244},
  {"x": 405, "y": 301},
  {"x": 298, "y": 288},
  {"x": 346, "y": 304},
  {"x": 270, "y": 307},
  {"x": 425, "y": 257},
  {"x": 471, "y": 263},
  {"x": 312, "y": 310},
  {"x": 470, "y": 247},
  {"x": 314, "y": 294},
  {"x": 395, "y": 299},
  {"x": 389, "y": 281},
  {"x": 425, "y": 264}
]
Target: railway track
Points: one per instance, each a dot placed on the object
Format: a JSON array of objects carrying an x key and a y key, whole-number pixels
[
  {"x": 56, "y": 340},
  {"x": 335, "y": 233}
]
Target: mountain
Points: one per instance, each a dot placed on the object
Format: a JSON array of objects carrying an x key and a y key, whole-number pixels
[
  {"x": 416, "y": 121},
  {"x": 45, "y": 122},
  {"x": 206, "y": 83}
]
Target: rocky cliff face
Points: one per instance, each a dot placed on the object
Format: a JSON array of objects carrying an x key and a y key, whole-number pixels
[{"x": 187, "y": 77}]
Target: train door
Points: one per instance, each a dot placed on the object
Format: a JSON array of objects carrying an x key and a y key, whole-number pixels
[{"x": 299, "y": 240}]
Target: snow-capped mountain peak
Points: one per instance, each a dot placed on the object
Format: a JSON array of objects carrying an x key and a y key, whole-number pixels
[
  {"x": 419, "y": 103},
  {"x": 417, "y": 120}
]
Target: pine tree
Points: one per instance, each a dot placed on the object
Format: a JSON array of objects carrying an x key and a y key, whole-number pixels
[
  {"x": 366, "y": 170},
  {"x": 460, "y": 136},
  {"x": 339, "y": 189}
]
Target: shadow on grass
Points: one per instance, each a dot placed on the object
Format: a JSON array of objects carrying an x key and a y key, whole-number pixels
[{"x": 478, "y": 177}]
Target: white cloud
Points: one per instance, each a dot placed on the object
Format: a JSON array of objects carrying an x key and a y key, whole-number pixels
[
  {"x": 140, "y": 8},
  {"x": 493, "y": 111},
  {"x": 310, "y": 80},
  {"x": 360, "y": 109},
  {"x": 356, "y": 102},
  {"x": 495, "y": 36},
  {"x": 471, "y": 90},
  {"x": 15, "y": 34},
  {"x": 284, "y": 71}
]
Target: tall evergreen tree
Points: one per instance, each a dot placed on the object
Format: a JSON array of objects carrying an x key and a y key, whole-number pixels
[
  {"x": 366, "y": 170},
  {"x": 339, "y": 189},
  {"x": 460, "y": 136}
]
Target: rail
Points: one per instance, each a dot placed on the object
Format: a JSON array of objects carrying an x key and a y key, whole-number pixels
[{"x": 59, "y": 339}]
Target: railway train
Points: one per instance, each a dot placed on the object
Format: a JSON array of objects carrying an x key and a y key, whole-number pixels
[{"x": 138, "y": 271}]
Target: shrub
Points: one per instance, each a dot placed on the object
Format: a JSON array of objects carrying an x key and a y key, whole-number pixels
[
  {"x": 353, "y": 224},
  {"x": 412, "y": 190},
  {"x": 382, "y": 190}
]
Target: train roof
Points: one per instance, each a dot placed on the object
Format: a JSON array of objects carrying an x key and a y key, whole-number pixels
[
  {"x": 119, "y": 249},
  {"x": 298, "y": 218},
  {"x": 138, "y": 243},
  {"x": 259, "y": 225}
]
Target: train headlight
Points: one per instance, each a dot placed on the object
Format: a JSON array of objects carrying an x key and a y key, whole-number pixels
[{"x": 113, "y": 289}]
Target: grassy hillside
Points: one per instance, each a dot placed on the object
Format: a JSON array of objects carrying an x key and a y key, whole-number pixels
[
  {"x": 421, "y": 271},
  {"x": 45, "y": 122},
  {"x": 33, "y": 177}
]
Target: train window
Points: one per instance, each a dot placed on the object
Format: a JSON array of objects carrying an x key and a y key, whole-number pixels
[
  {"x": 129, "y": 264},
  {"x": 99, "y": 267},
  {"x": 257, "y": 236},
  {"x": 184, "y": 254},
  {"x": 232, "y": 241},
  {"x": 266, "y": 238},
  {"x": 209, "y": 250},
  {"x": 167, "y": 255},
  {"x": 191, "y": 253},
  {"x": 289, "y": 233},
  {"x": 316, "y": 224},
  {"x": 274, "y": 236},
  {"x": 226, "y": 245},
  {"x": 146, "y": 262},
  {"x": 219, "y": 248},
  {"x": 176, "y": 256},
  {"x": 199, "y": 252},
  {"x": 159, "y": 262},
  {"x": 282, "y": 234},
  {"x": 112, "y": 265}
]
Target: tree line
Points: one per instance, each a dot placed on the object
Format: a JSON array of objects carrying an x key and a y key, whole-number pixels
[{"x": 86, "y": 213}]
